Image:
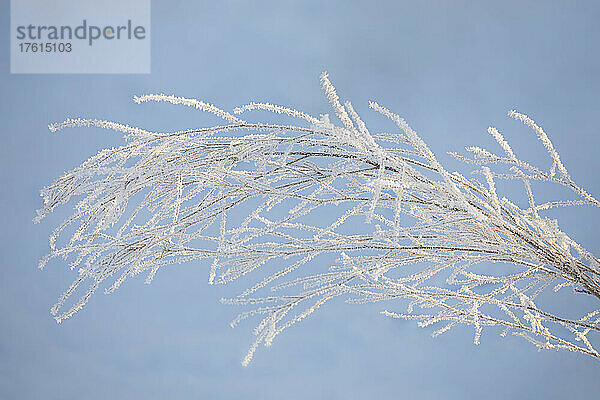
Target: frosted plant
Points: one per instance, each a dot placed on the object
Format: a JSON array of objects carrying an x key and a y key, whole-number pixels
[{"x": 309, "y": 212}]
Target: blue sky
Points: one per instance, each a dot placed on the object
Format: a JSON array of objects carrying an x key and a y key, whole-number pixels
[{"x": 451, "y": 68}]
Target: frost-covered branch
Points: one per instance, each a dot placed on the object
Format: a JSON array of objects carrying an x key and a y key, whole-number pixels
[{"x": 311, "y": 212}]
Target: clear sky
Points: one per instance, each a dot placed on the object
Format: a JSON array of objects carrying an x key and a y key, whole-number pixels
[{"x": 451, "y": 68}]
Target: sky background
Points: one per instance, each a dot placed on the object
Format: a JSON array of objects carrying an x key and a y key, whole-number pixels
[{"x": 451, "y": 68}]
